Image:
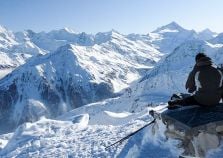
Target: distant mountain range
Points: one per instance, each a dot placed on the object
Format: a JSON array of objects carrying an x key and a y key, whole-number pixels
[{"x": 57, "y": 71}]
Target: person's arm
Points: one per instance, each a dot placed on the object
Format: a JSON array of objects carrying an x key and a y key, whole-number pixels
[{"x": 190, "y": 84}]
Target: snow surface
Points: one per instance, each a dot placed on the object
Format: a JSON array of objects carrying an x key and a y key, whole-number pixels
[
  {"x": 4, "y": 72},
  {"x": 78, "y": 138}
]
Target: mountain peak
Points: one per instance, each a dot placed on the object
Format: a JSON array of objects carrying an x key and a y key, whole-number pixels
[
  {"x": 109, "y": 33},
  {"x": 114, "y": 31},
  {"x": 173, "y": 26},
  {"x": 63, "y": 31},
  {"x": 69, "y": 30},
  {"x": 207, "y": 31},
  {"x": 103, "y": 37},
  {"x": 2, "y": 29},
  {"x": 207, "y": 34}
]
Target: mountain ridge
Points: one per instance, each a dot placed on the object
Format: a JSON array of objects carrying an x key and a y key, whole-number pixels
[{"x": 71, "y": 88}]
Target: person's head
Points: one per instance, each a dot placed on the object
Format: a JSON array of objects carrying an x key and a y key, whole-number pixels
[{"x": 199, "y": 56}]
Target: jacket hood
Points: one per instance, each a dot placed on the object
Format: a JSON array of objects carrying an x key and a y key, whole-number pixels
[{"x": 204, "y": 61}]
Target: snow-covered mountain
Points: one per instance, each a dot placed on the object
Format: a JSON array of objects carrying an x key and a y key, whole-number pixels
[
  {"x": 167, "y": 37},
  {"x": 206, "y": 34},
  {"x": 15, "y": 50},
  {"x": 72, "y": 76},
  {"x": 76, "y": 69},
  {"x": 6, "y": 37},
  {"x": 49, "y": 86},
  {"x": 7, "y": 40},
  {"x": 17, "y": 47},
  {"x": 51, "y": 41}
]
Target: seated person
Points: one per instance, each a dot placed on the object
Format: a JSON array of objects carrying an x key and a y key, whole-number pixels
[{"x": 204, "y": 81}]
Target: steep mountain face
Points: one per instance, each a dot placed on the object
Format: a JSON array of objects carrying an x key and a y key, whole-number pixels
[
  {"x": 6, "y": 37},
  {"x": 119, "y": 60},
  {"x": 71, "y": 77},
  {"x": 59, "y": 77},
  {"x": 49, "y": 85},
  {"x": 15, "y": 49},
  {"x": 7, "y": 40}
]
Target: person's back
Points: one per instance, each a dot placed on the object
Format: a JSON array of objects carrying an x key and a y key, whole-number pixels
[
  {"x": 208, "y": 80},
  {"x": 205, "y": 81}
]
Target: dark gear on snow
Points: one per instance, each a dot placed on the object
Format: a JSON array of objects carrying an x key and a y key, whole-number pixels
[{"x": 206, "y": 81}]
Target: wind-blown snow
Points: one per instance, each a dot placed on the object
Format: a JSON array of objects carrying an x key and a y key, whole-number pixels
[
  {"x": 117, "y": 115},
  {"x": 56, "y": 138}
]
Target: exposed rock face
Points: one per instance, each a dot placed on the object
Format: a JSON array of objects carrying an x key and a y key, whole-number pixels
[{"x": 8, "y": 97}]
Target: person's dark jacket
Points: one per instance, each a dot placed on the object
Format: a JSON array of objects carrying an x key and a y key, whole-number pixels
[
  {"x": 206, "y": 81},
  {"x": 221, "y": 69}
]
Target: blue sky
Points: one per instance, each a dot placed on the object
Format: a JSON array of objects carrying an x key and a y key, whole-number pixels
[{"x": 125, "y": 16}]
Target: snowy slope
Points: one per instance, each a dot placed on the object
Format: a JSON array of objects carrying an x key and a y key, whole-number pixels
[
  {"x": 48, "y": 85},
  {"x": 6, "y": 37},
  {"x": 74, "y": 132},
  {"x": 16, "y": 48},
  {"x": 71, "y": 77},
  {"x": 83, "y": 133},
  {"x": 167, "y": 37},
  {"x": 7, "y": 40}
]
